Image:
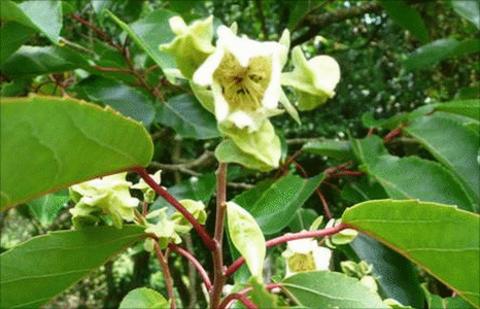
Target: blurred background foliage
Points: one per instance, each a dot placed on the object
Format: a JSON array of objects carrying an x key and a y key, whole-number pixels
[{"x": 388, "y": 66}]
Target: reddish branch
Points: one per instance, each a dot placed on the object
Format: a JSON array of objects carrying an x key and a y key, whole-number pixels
[
  {"x": 241, "y": 296},
  {"x": 201, "y": 271},
  {"x": 217, "y": 254},
  {"x": 326, "y": 209},
  {"x": 207, "y": 240},
  {"x": 166, "y": 274},
  {"x": 285, "y": 238},
  {"x": 392, "y": 134}
]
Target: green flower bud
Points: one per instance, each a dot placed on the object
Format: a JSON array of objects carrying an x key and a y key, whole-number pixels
[
  {"x": 108, "y": 195},
  {"x": 196, "y": 208},
  {"x": 163, "y": 228},
  {"x": 314, "y": 80},
  {"x": 343, "y": 237},
  {"x": 192, "y": 44}
]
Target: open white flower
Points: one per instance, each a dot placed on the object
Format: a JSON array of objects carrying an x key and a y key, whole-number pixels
[
  {"x": 244, "y": 75},
  {"x": 306, "y": 255}
]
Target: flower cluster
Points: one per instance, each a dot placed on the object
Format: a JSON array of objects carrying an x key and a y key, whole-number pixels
[
  {"x": 240, "y": 81},
  {"x": 108, "y": 198}
]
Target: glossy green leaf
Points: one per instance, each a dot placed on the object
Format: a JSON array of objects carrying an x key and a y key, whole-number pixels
[
  {"x": 13, "y": 36},
  {"x": 407, "y": 17},
  {"x": 195, "y": 188},
  {"x": 331, "y": 148},
  {"x": 362, "y": 190},
  {"x": 46, "y": 208},
  {"x": 261, "y": 297},
  {"x": 273, "y": 205},
  {"x": 442, "y": 239},
  {"x": 453, "y": 145},
  {"x": 436, "y": 51},
  {"x": 146, "y": 33},
  {"x": 44, "y": 16},
  {"x": 302, "y": 219},
  {"x": 143, "y": 298},
  {"x": 467, "y": 108},
  {"x": 468, "y": 9},
  {"x": 36, "y": 158},
  {"x": 324, "y": 289},
  {"x": 247, "y": 237},
  {"x": 187, "y": 117},
  {"x": 426, "y": 180},
  {"x": 37, "y": 60},
  {"x": 397, "y": 277},
  {"x": 127, "y": 100},
  {"x": 437, "y": 302},
  {"x": 37, "y": 270}
]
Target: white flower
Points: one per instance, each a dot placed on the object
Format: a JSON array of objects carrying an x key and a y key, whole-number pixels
[
  {"x": 244, "y": 75},
  {"x": 306, "y": 255},
  {"x": 110, "y": 194}
]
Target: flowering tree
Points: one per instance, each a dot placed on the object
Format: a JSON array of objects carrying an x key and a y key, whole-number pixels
[{"x": 406, "y": 212}]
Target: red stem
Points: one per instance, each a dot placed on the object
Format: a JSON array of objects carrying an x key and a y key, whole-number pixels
[
  {"x": 166, "y": 274},
  {"x": 201, "y": 271},
  {"x": 236, "y": 296},
  {"x": 326, "y": 209},
  {"x": 392, "y": 134},
  {"x": 285, "y": 238},
  {"x": 207, "y": 240}
]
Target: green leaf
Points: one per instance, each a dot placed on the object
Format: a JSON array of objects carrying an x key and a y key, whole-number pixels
[
  {"x": 442, "y": 239},
  {"x": 331, "y": 148},
  {"x": 362, "y": 190},
  {"x": 467, "y": 108},
  {"x": 261, "y": 297},
  {"x": 35, "y": 271},
  {"x": 407, "y": 17},
  {"x": 425, "y": 180},
  {"x": 127, "y": 100},
  {"x": 324, "y": 289},
  {"x": 397, "y": 277},
  {"x": 453, "y": 145},
  {"x": 143, "y": 298},
  {"x": 432, "y": 53},
  {"x": 44, "y": 16},
  {"x": 247, "y": 238},
  {"x": 13, "y": 36},
  {"x": 187, "y": 117},
  {"x": 46, "y": 208},
  {"x": 36, "y": 60},
  {"x": 274, "y": 205},
  {"x": 468, "y": 9},
  {"x": 145, "y": 32},
  {"x": 298, "y": 9},
  {"x": 195, "y": 188},
  {"x": 49, "y": 143},
  {"x": 302, "y": 219}
]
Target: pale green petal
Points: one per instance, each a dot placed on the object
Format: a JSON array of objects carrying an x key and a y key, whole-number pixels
[{"x": 192, "y": 44}]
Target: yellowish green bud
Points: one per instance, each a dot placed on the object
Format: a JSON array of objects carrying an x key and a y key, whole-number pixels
[
  {"x": 192, "y": 44},
  {"x": 314, "y": 80},
  {"x": 148, "y": 192},
  {"x": 196, "y": 208}
]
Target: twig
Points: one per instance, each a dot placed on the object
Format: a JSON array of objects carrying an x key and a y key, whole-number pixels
[
  {"x": 240, "y": 185},
  {"x": 237, "y": 296},
  {"x": 285, "y": 238},
  {"x": 392, "y": 134},
  {"x": 201, "y": 271},
  {"x": 207, "y": 240},
  {"x": 326, "y": 209},
  {"x": 166, "y": 274},
  {"x": 230, "y": 298},
  {"x": 186, "y": 167},
  {"x": 217, "y": 254}
]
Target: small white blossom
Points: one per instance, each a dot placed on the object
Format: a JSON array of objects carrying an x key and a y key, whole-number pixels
[
  {"x": 244, "y": 75},
  {"x": 306, "y": 255}
]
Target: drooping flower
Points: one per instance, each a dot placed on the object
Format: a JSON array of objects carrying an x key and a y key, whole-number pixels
[
  {"x": 244, "y": 76},
  {"x": 108, "y": 195},
  {"x": 306, "y": 255},
  {"x": 314, "y": 80},
  {"x": 196, "y": 208},
  {"x": 148, "y": 192},
  {"x": 191, "y": 45},
  {"x": 163, "y": 228}
]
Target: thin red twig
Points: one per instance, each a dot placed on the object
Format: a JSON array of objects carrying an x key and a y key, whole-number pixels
[
  {"x": 166, "y": 274},
  {"x": 326, "y": 208},
  {"x": 392, "y": 134},
  {"x": 285, "y": 238},
  {"x": 227, "y": 301},
  {"x": 189, "y": 256},
  {"x": 207, "y": 240}
]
